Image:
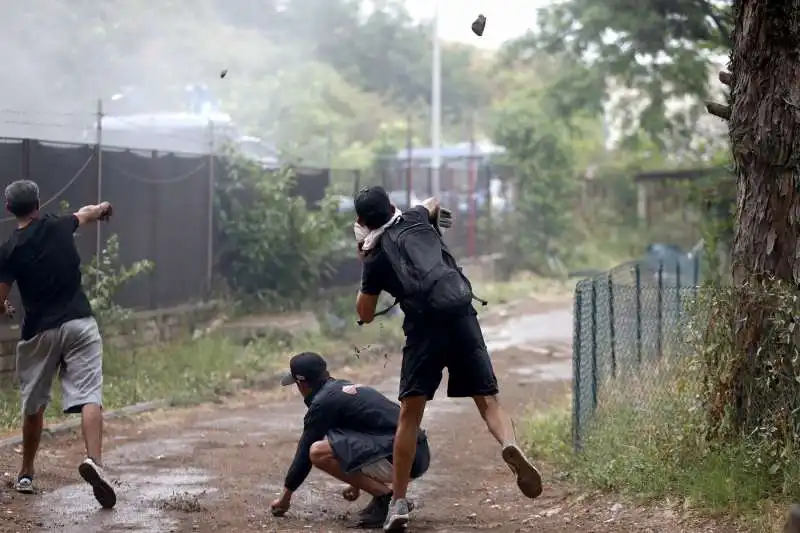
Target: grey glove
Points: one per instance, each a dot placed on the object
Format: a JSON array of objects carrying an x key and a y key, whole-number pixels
[{"x": 444, "y": 219}]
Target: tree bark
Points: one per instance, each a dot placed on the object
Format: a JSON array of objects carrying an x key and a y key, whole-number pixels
[
  {"x": 765, "y": 138},
  {"x": 765, "y": 143}
]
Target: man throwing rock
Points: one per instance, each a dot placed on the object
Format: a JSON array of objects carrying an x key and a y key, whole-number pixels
[
  {"x": 347, "y": 433},
  {"x": 404, "y": 255},
  {"x": 59, "y": 332}
]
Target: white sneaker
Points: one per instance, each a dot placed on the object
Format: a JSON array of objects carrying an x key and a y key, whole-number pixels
[
  {"x": 24, "y": 485},
  {"x": 93, "y": 474}
]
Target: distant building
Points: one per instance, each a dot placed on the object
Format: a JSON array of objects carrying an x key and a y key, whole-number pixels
[{"x": 454, "y": 178}]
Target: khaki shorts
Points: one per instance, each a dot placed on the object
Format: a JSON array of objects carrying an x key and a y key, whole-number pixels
[
  {"x": 379, "y": 471},
  {"x": 75, "y": 351}
]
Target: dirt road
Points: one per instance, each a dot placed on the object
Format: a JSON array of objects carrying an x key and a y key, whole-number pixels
[{"x": 217, "y": 467}]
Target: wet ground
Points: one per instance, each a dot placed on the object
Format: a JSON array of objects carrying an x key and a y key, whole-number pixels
[{"x": 217, "y": 467}]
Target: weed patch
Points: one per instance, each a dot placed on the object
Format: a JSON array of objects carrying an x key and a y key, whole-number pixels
[
  {"x": 200, "y": 370},
  {"x": 657, "y": 449}
]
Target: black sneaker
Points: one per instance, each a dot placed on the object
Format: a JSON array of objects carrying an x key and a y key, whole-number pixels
[
  {"x": 94, "y": 476},
  {"x": 374, "y": 514},
  {"x": 529, "y": 480},
  {"x": 398, "y": 516}
]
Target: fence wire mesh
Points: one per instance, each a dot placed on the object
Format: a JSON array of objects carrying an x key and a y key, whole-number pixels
[{"x": 628, "y": 326}]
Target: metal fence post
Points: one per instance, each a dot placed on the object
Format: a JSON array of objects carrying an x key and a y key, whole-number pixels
[
  {"x": 678, "y": 286},
  {"x": 210, "y": 222},
  {"x": 660, "y": 310},
  {"x": 594, "y": 344},
  {"x": 638, "y": 292},
  {"x": 612, "y": 326},
  {"x": 356, "y": 182},
  {"x": 576, "y": 369}
]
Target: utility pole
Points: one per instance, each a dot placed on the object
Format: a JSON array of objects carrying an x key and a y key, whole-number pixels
[
  {"x": 409, "y": 161},
  {"x": 210, "y": 227},
  {"x": 471, "y": 225},
  {"x": 436, "y": 107},
  {"x": 99, "y": 148}
]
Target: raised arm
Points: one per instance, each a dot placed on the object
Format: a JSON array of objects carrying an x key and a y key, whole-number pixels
[
  {"x": 432, "y": 205},
  {"x": 92, "y": 213}
]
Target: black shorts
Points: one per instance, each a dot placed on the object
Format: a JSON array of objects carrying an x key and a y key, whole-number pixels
[{"x": 455, "y": 344}]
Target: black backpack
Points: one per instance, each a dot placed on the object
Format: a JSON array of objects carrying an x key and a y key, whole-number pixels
[{"x": 431, "y": 280}]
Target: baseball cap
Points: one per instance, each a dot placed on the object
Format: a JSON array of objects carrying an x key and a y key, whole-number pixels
[{"x": 306, "y": 366}]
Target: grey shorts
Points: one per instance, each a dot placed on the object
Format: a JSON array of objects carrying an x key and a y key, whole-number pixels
[{"x": 75, "y": 351}]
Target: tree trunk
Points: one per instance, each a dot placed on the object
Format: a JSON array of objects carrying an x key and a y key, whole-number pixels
[{"x": 765, "y": 141}]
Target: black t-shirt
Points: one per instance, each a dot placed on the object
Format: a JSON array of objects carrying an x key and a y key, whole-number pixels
[
  {"x": 44, "y": 262},
  {"x": 358, "y": 421}
]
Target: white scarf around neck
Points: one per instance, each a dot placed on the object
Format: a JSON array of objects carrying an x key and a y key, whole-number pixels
[{"x": 369, "y": 238}]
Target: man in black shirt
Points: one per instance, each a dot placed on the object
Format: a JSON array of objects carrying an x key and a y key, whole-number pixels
[
  {"x": 433, "y": 341},
  {"x": 348, "y": 433},
  {"x": 59, "y": 333}
]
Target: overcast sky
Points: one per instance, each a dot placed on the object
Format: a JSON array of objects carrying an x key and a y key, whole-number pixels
[{"x": 505, "y": 19}]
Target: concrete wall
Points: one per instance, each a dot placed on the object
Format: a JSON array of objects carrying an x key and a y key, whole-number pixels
[{"x": 142, "y": 329}]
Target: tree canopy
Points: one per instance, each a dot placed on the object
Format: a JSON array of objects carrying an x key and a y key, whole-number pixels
[
  {"x": 321, "y": 73},
  {"x": 659, "y": 49}
]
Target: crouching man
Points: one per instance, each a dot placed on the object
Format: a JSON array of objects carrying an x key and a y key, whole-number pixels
[{"x": 348, "y": 433}]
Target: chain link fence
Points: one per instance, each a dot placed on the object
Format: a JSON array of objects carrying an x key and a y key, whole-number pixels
[{"x": 628, "y": 325}]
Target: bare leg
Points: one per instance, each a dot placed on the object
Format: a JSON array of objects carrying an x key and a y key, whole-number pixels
[
  {"x": 323, "y": 458},
  {"x": 31, "y": 437},
  {"x": 92, "y": 428},
  {"x": 498, "y": 422},
  {"x": 529, "y": 480},
  {"x": 405, "y": 443},
  {"x": 793, "y": 521}
]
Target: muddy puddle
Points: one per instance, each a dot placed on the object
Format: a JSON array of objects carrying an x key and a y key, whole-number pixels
[
  {"x": 544, "y": 372},
  {"x": 146, "y": 496},
  {"x": 529, "y": 329}
]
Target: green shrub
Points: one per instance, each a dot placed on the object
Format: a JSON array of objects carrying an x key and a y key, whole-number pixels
[
  {"x": 648, "y": 440},
  {"x": 273, "y": 248}
]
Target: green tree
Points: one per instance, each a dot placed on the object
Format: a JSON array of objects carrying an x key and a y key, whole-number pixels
[
  {"x": 274, "y": 249},
  {"x": 544, "y": 182},
  {"x": 659, "y": 48}
]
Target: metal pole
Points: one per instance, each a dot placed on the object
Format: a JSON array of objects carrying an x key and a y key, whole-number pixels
[
  {"x": 98, "y": 229},
  {"x": 436, "y": 106},
  {"x": 210, "y": 228},
  {"x": 471, "y": 244},
  {"x": 329, "y": 146},
  {"x": 409, "y": 148}
]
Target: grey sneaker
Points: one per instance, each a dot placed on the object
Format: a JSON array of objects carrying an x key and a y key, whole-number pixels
[
  {"x": 529, "y": 480},
  {"x": 93, "y": 474},
  {"x": 397, "y": 518}
]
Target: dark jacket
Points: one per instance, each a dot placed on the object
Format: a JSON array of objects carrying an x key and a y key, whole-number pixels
[{"x": 358, "y": 421}]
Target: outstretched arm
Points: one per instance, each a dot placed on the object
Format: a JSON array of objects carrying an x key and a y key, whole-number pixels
[{"x": 92, "y": 213}]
